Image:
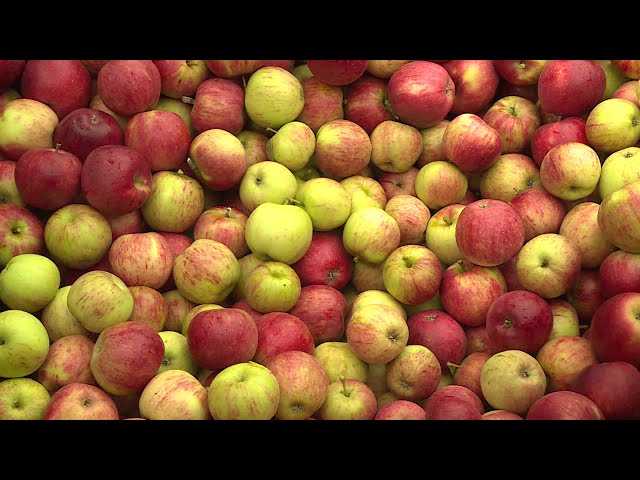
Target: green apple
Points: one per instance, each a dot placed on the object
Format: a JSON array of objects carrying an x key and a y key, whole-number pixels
[
  {"x": 244, "y": 391},
  {"x": 440, "y": 235},
  {"x": 176, "y": 353},
  {"x": 58, "y": 320},
  {"x": 613, "y": 75},
  {"x": 272, "y": 287},
  {"x": 365, "y": 192},
  {"x": 188, "y": 318},
  {"x": 326, "y": 201},
  {"x": 255, "y": 146},
  {"x": 619, "y": 169},
  {"x": 273, "y": 96},
  {"x": 565, "y": 320},
  {"x": 178, "y": 107},
  {"x": 174, "y": 395},
  {"x": 247, "y": 264},
  {"x": 29, "y": 282},
  {"x": 24, "y": 344},
  {"x": 99, "y": 299},
  {"x": 412, "y": 274},
  {"x": 441, "y": 183},
  {"x": 302, "y": 72},
  {"x": 371, "y": 234},
  {"x": 26, "y": 124},
  {"x": 78, "y": 236},
  {"x": 348, "y": 399},
  {"x": 292, "y": 145},
  {"x": 612, "y": 125},
  {"x": 619, "y": 219},
  {"x": 285, "y": 240},
  {"x": 23, "y": 399},
  {"x": 339, "y": 360},
  {"x": 267, "y": 182}
]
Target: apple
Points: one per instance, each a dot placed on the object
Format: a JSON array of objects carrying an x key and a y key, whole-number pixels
[
  {"x": 367, "y": 276},
  {"x": 509, "y": 176},
  {"x": 412, "y": 217},
  {"x": 337, "y": 72},
  {"x": 580, "y": 226},
  {"x": 322, "y": 309},
  {"x": 489, "y": 232},
  {"x": 520, "y": 72},
  {"x": 432, "y": 150},
  {"x": 180, "y": 78},
  {"x": 471, "y": 144},
  {"x": 141, "y": 259},
  {"x": 186, "y": 322},
  {"x": 395, "y": 146},
  {"x": 272, "y": 287},
  {"x": 564, "y": 406},
  {"x": 68, "y": 361},
  {"x": 96, "y": 103},
  {"x": 468, "y": 373},
  {"x": 273, "y": 97},
  {"x": 29, "y": 282},
  {"x": 218, "y": 104},
  {"x": 539, "y": 211},
  {"x": 384, "y": 68},
  {"x": 255, "y": 146},
  {"x": 280, "y": 332},
  {"x": 519, "y": 320},
  {"x": 58, "y": 320},
  {"x": 218, "y": 158},
  {"x": 244, "y": 391},
  {"x": 568, "y": 129},
  {"x": 500, "y": 415},
  {"x": 613, "y": 124},
  {"x": 129, "y": 86},
  {"x": 177, "y": 309},
  {"x": 412, "y": 274},
  {"x": 20, "y": 232},
  {"x": 23, "y": 399},
  {"x": 563, "y": 359},
  {"x": 10, "y": 71},
  {"x": 128, "y": 223},
  {"x": 620, "y": 273},
  {"x": 343, "y": 149},
  {"x": 512, "y": 380},
  {"x": 366, "y": 102},
  {"x": 570, "y": 87},
  {"x": 619, "y": 169},
  {"x": 292, "y": 145},
  {"x": 476, "y": 82},
  {"x": 614, "y": 331},
  {"x": 614, "y": 77},
  {"x": 364, "y": 192},
  {"x": 617, "y": 218},
  {"x": 243, "y": 305},
  {"x": 267, "y": 182},
  {"x": 247, "y": 264},
  {"x": 440, "y": 235},
  {"x": 183, "y": 110},
  {"x": 322, "y": 103},
  {"x": 286, "y": 241},
  {"x": 348, "y": 399},
  {"x": 326, "y": 201},
  {"x": 232, "y": 68},
  {"x": 395, "y": 184},
  {"x": 629, "y": 68},
  {"x": 529, "y": 92},
  {"x": 440, "y": 184},
  {"x": 26, "y": 124},
  {"x": 79, "y": 401},
  {"x": 440, "y": 333},
  {"x": 149, "y": 306},
  {"x": 25, "y": 344},
  {"x": 401, "y": 410},
  {"x": 421, "y": 93},
  {"x": 566, "y": 322},
  {"x": 339, "y": 360},
  {"x": 326, "y": 262},
  {"x": 225, "y": 225},
  {"x": 8, "y": 189},
  {"x": 174, "y": 395},
  {"x": 176, "y": 353},
  {"x": 467, "y": 291},
  {"x": 453, "y": 402},
  {"x": 478, "y": 340},
  {"x": 371, "y": 234},
  {"x": 570, "y": 171},
  {"x": 414, "y": 373},
  {"x": 627, "y": 91}
]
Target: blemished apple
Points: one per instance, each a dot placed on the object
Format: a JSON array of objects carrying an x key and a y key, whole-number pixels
[
  {"x": 174, "y": 395},
  {"x": 244, "y": 391},
  {"x": 272, "y": 287},
  {"x": 539, "y": 211},
  {"x": 620, "y": 273},
  {"x": 326, "y": 201},
  {"x": 255, "y": 146},
  {"x": 322, "y": 309},
  {"x": 149, "y": 306},
  {"x": 181, "y": 77},
  {"x": 26, "y": 124},
  {"x": 364, "y": 192},
  {"x": 440, "y": 333},
  {"x": 618, "y": 219},
  {"x": 570, "y": 171},
  {"x": 326, "y": 262},
  {"x": 371, "y": 234},
  {"x": 566, "y": 322},
  {"x": 23, "y": 399},
  {"x": 79, "y": 401},
  {"x": 366, "y": 102},
  {"x": 511, "y": 175},
  {"x": 562, "y": 360},
  {"x": 613, "y": 124},
  {"x": 225, "y": 225},
  {"x": 412, "y": 217},
  {"x": 401, "y": 410},
  {"x": 520, "y": 72},
  {"x": 343, "y": 149},
  {"x": 322, "y": 103},
  {"x": 395, "y": 184},
  {"x": 25, "y": 344},
  {"x": 395, "y": 146},
  {"x": 619, "y": 169},
  {"x": 29, "y": 282},
  {"x": 141, "y": 259},
  {"x": 348, "y": 399},
  {"x": 412, "y": 274},
  {"x": 339, "y": 360},
  {"x": 440, "y": 235},
  {"x": 218, "y": 104},
  {"x": 564, "y": 406},
  {"x": 440, "y": 183},
  {"x": 432, "y": 143},
  {"x": 512, "y": 380},
  {"x": 476, "y": 82},
  {"x": 68, "y": 361},
  {"x": 471, "y": 143},
  {"x": 21, "y": 231},
  {"x": 568, "y": 129},
  {"x": 337, "y": 72},
  {"x": 292, "y": 145},
  {"x": 267, "y": 182},
  {"x": 129, "y": 86}
]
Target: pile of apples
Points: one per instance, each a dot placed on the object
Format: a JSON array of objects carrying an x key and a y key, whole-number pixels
[{"x": 321, "y": 239}]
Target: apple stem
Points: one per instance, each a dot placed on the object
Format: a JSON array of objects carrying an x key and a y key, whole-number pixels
[
  {"x": 452, "y": 367},
  {"x": 293, "y": 201},
  {"x": 228, "y": 212},
  {"x": 188, "y": 100},
  {"x": 269, "y": 129},
  {"x": 244, "y": 81},
  {"x": 192, "y": 165},
  {"x": 344, "y": 386},
  {"x": 583, "y": 327},
  {"x": 58, "y": 145},
  {"x": 355, "y": 259}
]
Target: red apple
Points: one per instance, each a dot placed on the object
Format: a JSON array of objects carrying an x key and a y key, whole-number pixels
[
  {"x": 570, "y": 129},
  {"x": 10, "y": 71},
  {"x": 219, "y": 103},
  {"x": 20, "y": 232},
  {"x": 440, "y": 333},
  {"x": 401, "y": 410},
  {"x": 225, "y": 225},
  {"x": 564, "y": 406},
  {"x": 563, "y": 359},
  {"x": 476, "y": 82},
  {"x": 628, "y": 91},
  {"x": 530, "y": 92},
  {"x": 342, "y": 149},
  {"x": 620, "y": 273},
  {"x": 367, "y": 102},
  {"x": 516, "y": 119},
  {"x": 244, "y": 305},
  {"x": 395, "y": 184},
  {"x": 218, "y": 158},
  {"x": 180, "y": 78},
  {"x": 520, "y": 72},
  {"x": 68, "y": 361},
  {"x": 540, "y": 212},
  {"x": 322, "y": 103},
  {"x": 233, "y": 68},
  {"x": 326, "y": 262},
  {"x": 129, "y": 86},
  {"x": 337, "y": 72},
  {"x": 322, "y": 309},
  {"x": 94, "y": 66},
  {"x": 177, "y": 309},
  {"x": 454, "y": 402},
  {"x": 149, "y": 307},
  {"x": 281, "y": 332},
  {"x": 412, "y": 217},
  {"x": 471, "y": 143},
  {"x": 615, "y": 329},
  {"x": 586, "y": 295},
  {"x": 128, "y": 223},
  {"x": 467, "y": 374},
  {"x": 478, "y": 340},
  {"x": 79, "y": 401}
]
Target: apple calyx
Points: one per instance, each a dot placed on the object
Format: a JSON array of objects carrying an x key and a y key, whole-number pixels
[
  {"x": 86, "y": 402},
  {"x": 94, "y": 120},
  {"x": 507, "y": 323},
  {"x": 227, "y": 212},
  {"x": 522, "y": 65},
  {"x": 453, "y": 367},
  {"x": 189, "y": 100},
  {"x": 430, "y": 318},
  {"x": 16, "y": 230}
]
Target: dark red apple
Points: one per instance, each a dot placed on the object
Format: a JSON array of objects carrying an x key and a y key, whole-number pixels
[
  {"x": 219, "y": 103},
  {"x": 506, "y": 89},
  {"x": 128, "y": 87},
  {"x": 10, "y": 71},
  {"x": 440, "y": 333},
  {"x": 564, "y": 405},
  {"x": 586, "y": 295},
  {"x": 322, "y": 309},
  {"x": 620, "y": 273},
  {"x": 128, "y": 223},
  {"x": 326, "y": 262},
  {"x": 367, "y": 102},
  {"x": 570, "y": 129},
  {"x": 453, "y": 402},
  {"x": 337, "y": 72},
  {"x": 281, "y": 332}
]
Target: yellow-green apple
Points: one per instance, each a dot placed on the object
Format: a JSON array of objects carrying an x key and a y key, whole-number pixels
[
  {"x": 628, "y": 91},
  {"x": 371, "y": 234},
  {"x": 232, "y": 68},
  {"x": 281, "y": 332},
  {"x": 401, "y": 410},
  {"x": 569, "y": 129},
  {"x": 629, "y": 68},
  {"x": 453, "y": 402},
  {"x": 129, "y": 86},
  {"x": 177, "y": 309},
  {"x": 58, "y": 320},
  {"x": 377, "y": 333},
  {"x": 467, "y": 373},
  {"x": 218, "y": 159},
  {"x": 412, "y": 274},
  {"x": 302, "y": 382},
  {"x": 247, "y": 264},
  {"x": 255, "y": 146},
  {"x": 471, "y": 144},
  {"x": 339, "y": 360},
  {"x": 500, "y": 415},
  {"x": 21, "y": 231},
  {"x": 218, "y": 104},
  {"x": 267, "y": 182},
  {"x": 218, "y": 338},
  {"x": 519, "y": 320},
  {"x": 25, "y": 344},
  {"x": 395, "y": 184},
  {"x": 161, "y": 136},
  {"x": 343, "y": 149},
  {"x": 348, "y": 399},
  {"x": 614, "y": 77},
  {"x": 149, "y": 306},
  {"x": 433, "y": 303},
  {"x": 174, "y": 203},
  {"x": 467, "y": 291},
  {"x": 272, "y": 287},
  {"x": 366, "y": 102},
  {"x": 539, "y": 211},
  {"x": 618, "y": 217},
  {"x": 512, "y": 174},
  {"x": 414, "y": 373},
  {"x": 141, "y": 259},
  {"x": 395, "y": 146},
  {"x": 337, "y": 72},
  {"x": 613, "y": 386},
  {"x": 10, "y": 71},
  {"x": 8, "y": 189},
  {"x": 476, "y": 82},
  {"x": 432, "y": 149},
  {"x": 244, "y": 391},
  {"x": 384, "y": 68},
  {"x": 440, "y": 333},
  {"x": 570, "y": 171},
  {"x": 620, "y": 273},
  {"x": 367, "y": 276},
  {"x": 292, "y": 145},
  {"x": 440, "y": 183},
  {"x": 489, "y": 232},
  {"x": 613, "y": 124},
  {"x": 217, "y": 271},
  {"x": 273, "y": 97},
  {"x": 326, "y": 262},
  {"x": 512, "y": 380},
  {"x": 195, "y": 311},
  {"x": 23, "y": 399},
  {"x": 564, "y": 406},
  {"x": 174, "y": 395},
  {"x": 364, "y": 192},
  {"x": 225, "y": 225},
  {"x": 562, "y": 360},
  {"x": 96, "y": 103},
  {"x": 619, "y": 169},
  {"x": 181, "y": 77},
  {"x": 322, "y": 103},
  {"x": 26, "y": 124},
  {"x": 440, "y": 235},
  {"x": 79, "y": 401},
  {"x": 412, "y": 217},
  {"x": 375, "y": 297},
  {"x": 128, "y": 223},
  {"x": 548, "y": 265},
  {"x": 565, "y": 320},
  {"x": 126, "y": 357},
  {"x": 326, "y": 201},
  {"x": 183, "y": 110},
  {"x": 520, "y": 72},
  {"x": 570, "y": 87},
  {"x": 322, "y": 309},
  {"x": 99, "y": 299},
  {"x": 28, "y": 282},
  {"x": 176, "y": 353}
]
